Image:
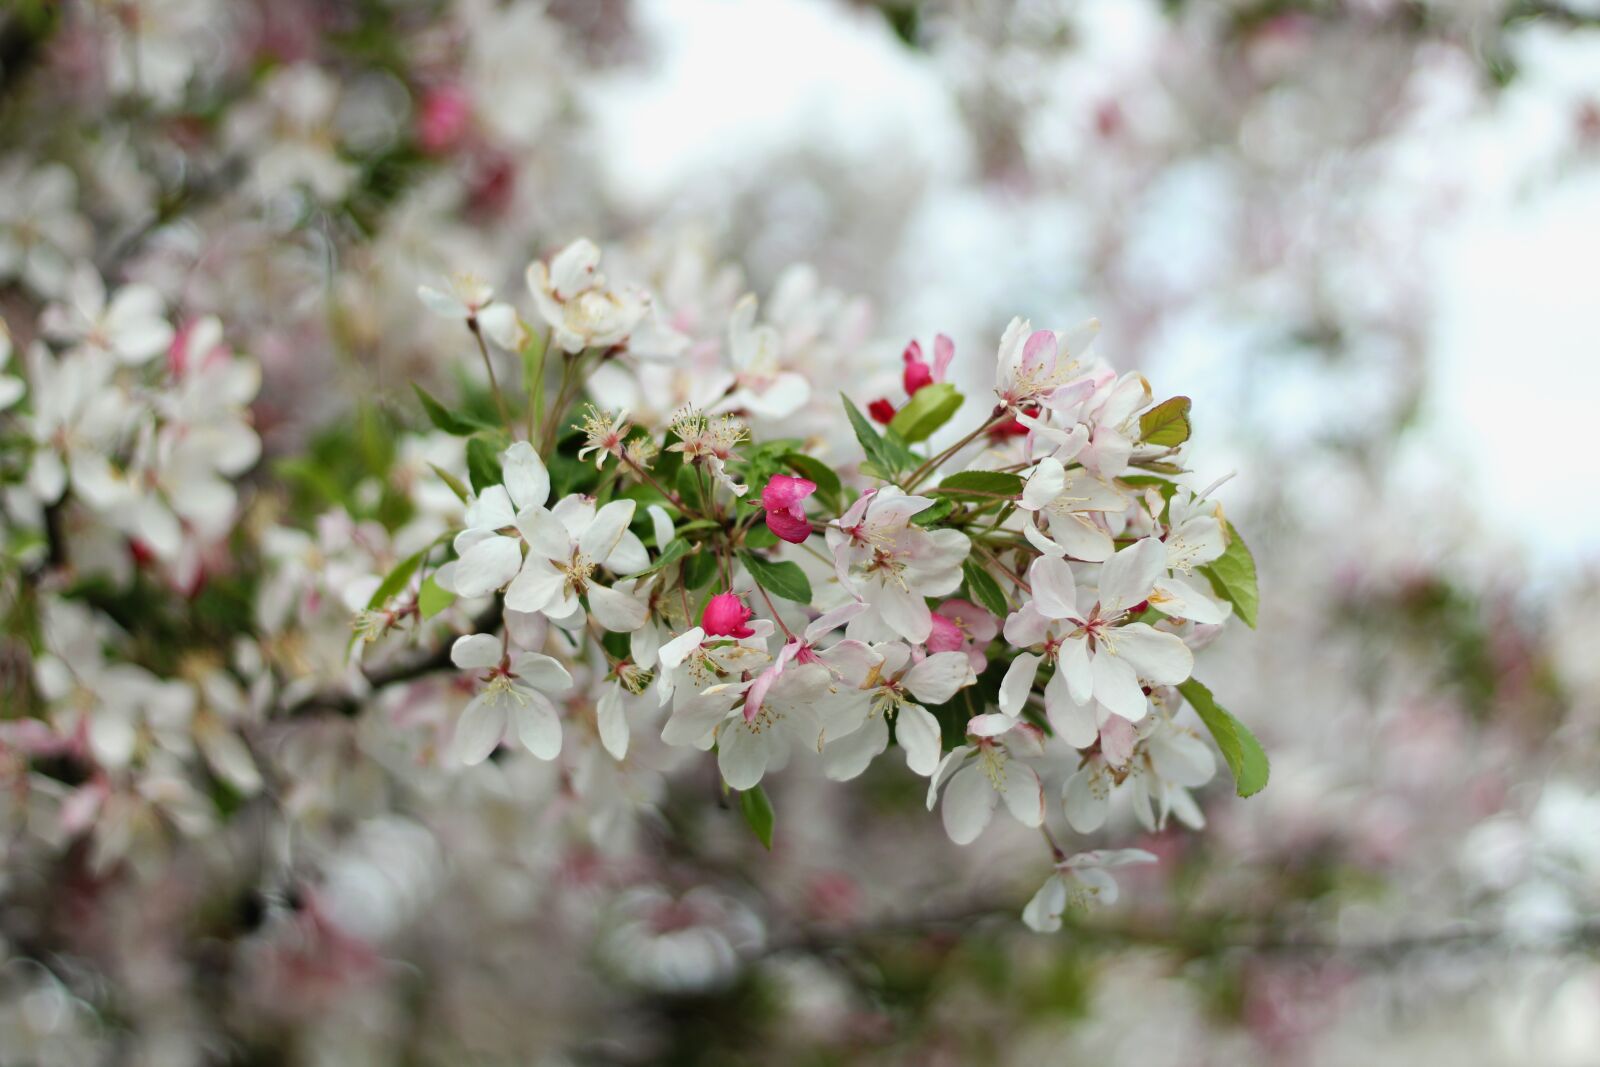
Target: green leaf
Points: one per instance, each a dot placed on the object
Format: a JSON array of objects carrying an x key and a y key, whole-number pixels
[
  {"x": 982, "y": 483},
  {"x": 483, "y": 465},
  {"x": 1166, "y": 424},
  {"x": 984, "y": 589},
  {"x": 433, "y": 598},
  {"x": 780, "y": 579},
  {"x": 675, "y": 550},
  {"x": 928, "y": 409},
  {"x": 1246, "y": 758},
  {"x": 452, "y": 481},
  {"x": 1233, "y": 577},
  {"x": 396, "y": 579},
  {"x": 533, "y": 376},
  {"x": 449, "y": 421},
  {"x": 698, "y": 569},
  {"x": 760, "y": 536},
  {"x": 829, "y": 489},
  {"x": 928, "y": 516},
  {"x": 758, "y": 813},
  {"x": 689, "y": 481},
  {"x": 887, "y": 454}
]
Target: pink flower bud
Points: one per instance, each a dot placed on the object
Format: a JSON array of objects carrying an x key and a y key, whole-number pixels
[
  {"x": 784, "y": 499},
  {"x": 881, "y": 410},
  {"x": 725, "y": 616},
  {"x": 917, "y": 373},
  {"x": 442, "y": 119}
]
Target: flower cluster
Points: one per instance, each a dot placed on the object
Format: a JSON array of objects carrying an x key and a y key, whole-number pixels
[{"x": 1017, "y": 611}]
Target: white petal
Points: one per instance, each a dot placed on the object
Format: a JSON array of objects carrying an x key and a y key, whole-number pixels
[
  {"x": 969, "y": 803},
  {"x": 538, "y": 725},
  {"x": 1126, "y": 578},
  {"x": 612, "y": 722},
  {"x": 1023, "y": 794},
  {"x": 541, "y": 672},
  {"x": 1073, "y": 722},
  {"x": 917, "y": 731},
  {"x": 851, "y": 754},
  {"x": 1117, "y": 686},
  {"x": 478, "y": 731},
  {"x": 600, "y": 539},
  {"x": 526, "y": 479},
  {"x": 616, "y": 611},
  {"x": 1159, "y": 657},
  {"x": 1043, "y": 912},
  {"x": 937, "y": 678},
  {"x": 487, "y": 566},
  {"x": 1018, "y": 683},
  {"x": 476, "y": 651},
  {"x": 1086, "y": 799},
  {"x": 742, "y": 755}
]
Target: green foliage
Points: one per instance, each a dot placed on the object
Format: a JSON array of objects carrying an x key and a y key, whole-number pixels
[
  {"x": 433, "y": 598},
  {"x": 928, "y": 409},
  {"x": 1233, "y": 577},
  {"x": 888, "y": 454},
  {"x": 1166, "y": 424},
  {"x": 451, "y": 422},
  {"x": 758, "y": 813},
  {"x": 674, "y": 551},
  {"x": 483, "y": 464},
  {"x": 698, "y": 569},
  {"x": 781, "y": 579},
  {"x": 981, "y": 484},
  {"x": 983, "y": 589},
  {"x": 396, "y": 579},
  {"x": 941, "y": 509},
  {"x": 1244, "y": 754}
]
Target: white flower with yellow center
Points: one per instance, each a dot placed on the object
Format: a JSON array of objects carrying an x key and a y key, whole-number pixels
[{"x": 515, "y": 694}]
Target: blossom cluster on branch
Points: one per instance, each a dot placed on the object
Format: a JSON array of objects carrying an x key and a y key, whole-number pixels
[{"x": 1018, "y": 628}]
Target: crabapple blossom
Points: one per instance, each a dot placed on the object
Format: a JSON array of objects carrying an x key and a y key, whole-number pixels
[
  {"x": 1080, "y": 881},
  {"x": 783, "y": 498},
  {"x": 572, "y": 297},
  {"x": 516, "y": 693},
  {"x": 985, "y": 772},
  {"x": 892, "y": 565}
]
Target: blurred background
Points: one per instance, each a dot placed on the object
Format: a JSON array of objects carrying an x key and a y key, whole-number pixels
[{"x": 1361, "y": 235}]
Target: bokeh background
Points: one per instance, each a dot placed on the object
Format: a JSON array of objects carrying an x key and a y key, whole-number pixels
[{"x": 1361, "y": 235}]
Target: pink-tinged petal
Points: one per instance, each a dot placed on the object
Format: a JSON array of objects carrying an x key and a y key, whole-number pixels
[
  {"x": 783, "y": 492},
  {"x": 1117, "y": 740},
  {"x": 944, "y": 350},
  {"x": 1040, "y": 350},
  {"x": 946, "y": 635},
  {"x": 791, "y": 526}
]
